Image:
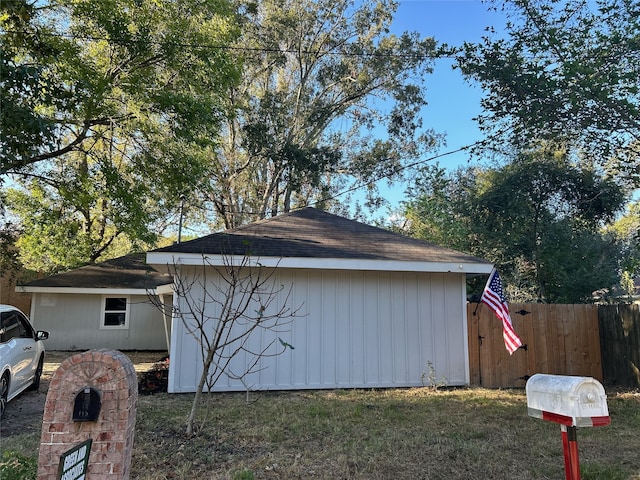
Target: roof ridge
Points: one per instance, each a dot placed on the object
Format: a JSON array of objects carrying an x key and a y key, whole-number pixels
[{"x": 313, "y": 233}]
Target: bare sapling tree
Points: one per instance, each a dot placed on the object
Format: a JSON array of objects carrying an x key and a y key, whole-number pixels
[{"x": 222, "y": 307}]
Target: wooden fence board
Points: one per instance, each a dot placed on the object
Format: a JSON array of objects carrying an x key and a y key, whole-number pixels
[
  {"x": 564, "y": 348},
  {"x": 560, "y": 339},
  {"x": 595, "y": 360},
  {"x": 474, "y": 349},
  {"x": 620, "y": 344},
  {"x": 553, "y": 335}
]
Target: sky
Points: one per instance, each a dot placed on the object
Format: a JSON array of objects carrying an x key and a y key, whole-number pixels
[{"x": 452, "y": 101}]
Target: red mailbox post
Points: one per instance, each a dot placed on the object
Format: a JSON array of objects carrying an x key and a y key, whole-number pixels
[{"x": 572, "y": 402}]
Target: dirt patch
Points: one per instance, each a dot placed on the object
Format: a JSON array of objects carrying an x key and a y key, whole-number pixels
[{"x": 24, "y": 413}]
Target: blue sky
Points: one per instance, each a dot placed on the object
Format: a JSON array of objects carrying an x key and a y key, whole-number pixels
[{"x": 453, "y": 102}]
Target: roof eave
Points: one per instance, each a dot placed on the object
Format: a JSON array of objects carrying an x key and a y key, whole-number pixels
[
  {"x": 465, "y": 266},
  {"x": 89, "y": 291}
]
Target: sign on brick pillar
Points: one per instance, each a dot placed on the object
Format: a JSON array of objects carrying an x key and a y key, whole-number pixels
[{"x": 92, "y": 396}]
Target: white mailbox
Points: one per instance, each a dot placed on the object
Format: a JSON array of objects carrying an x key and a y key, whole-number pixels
[{"x": 568, "y": 400}]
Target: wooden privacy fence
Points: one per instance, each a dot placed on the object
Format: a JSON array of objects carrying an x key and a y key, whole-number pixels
[
  {"x": 620, "y": 344},
  {"x": 558, "y": 339}
]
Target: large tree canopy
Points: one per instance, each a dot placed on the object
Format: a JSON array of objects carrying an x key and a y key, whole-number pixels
[
  {"x": 327, "y": 97},
  {"x": 71, "y": 70},
  {"x": 566, "y": 71},
  {"x": 111, "y": 109},
  {"x": 116, "y": 110},
  {"x": 540, "y": 219}
]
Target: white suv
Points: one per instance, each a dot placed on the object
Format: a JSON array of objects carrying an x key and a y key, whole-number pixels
[{"x": 21, "y": 355}]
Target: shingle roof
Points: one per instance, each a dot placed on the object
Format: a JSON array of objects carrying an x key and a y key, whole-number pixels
[
  {"x": 313, "y": 233},
  {"x": 128, "y": 272}
]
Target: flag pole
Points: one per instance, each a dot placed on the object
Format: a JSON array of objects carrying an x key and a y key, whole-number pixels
[
  {"x": 477, "y": 306},
  {"x": 480, "y": 336},
  {"x": 493, "y": 295},
  {"x": 480, "y": 301}
]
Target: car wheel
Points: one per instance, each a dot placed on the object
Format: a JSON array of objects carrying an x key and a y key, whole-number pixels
[
  {"x": 36, "y": 378},
  {"x": 4, "y": 393}
]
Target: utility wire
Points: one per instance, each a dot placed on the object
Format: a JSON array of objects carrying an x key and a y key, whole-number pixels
[
  {"x": 442, "y": 53},
  {"x": 375, "y": 180},
  {"x": 398, "y": 170}
]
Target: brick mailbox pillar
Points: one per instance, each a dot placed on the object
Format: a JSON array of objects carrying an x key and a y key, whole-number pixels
[{"x": 91, "y": 399}]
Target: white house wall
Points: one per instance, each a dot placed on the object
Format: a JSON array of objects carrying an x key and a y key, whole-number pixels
[
  {"x": 73, "y": 322},
  {"x": 355, "y": 329}
]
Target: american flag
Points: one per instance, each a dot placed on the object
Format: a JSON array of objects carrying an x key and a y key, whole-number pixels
[{"x": 493, "y": 295}]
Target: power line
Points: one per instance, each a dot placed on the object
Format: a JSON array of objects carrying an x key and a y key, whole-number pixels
[
  {"x": 371, "y": 182},
  {"x": 405, "y": 167},
  {"x": 442, "y": 54}
]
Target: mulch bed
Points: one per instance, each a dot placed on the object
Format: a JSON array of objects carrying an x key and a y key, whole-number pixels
[{"x": 156, "y": 379}]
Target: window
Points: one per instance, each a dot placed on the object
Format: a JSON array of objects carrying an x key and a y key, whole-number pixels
[
  {"x": 10, "y": 326},
  {"x": 14, "y": 325},
  {"x": 115, "y": 312},
  {"x": 26, "y": 331}
]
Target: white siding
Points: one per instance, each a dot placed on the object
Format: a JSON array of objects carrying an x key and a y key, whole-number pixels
[
  {"x": 73, "y": 322},
  {"x": 355, "y": 329}
]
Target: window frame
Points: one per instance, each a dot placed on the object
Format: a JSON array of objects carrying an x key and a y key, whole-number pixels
[
  {"x": 20, "y": 324},
  {"x": 104, "y": 312}
]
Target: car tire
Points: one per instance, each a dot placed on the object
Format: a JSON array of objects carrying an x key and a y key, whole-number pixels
[
  {"x": 4, "y": 393},
  {"x": 36, "y": 378}
]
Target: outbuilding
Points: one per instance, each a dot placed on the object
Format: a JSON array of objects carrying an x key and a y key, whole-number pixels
[
  {"x": 373, "y": 308},
  {"x": 114, "y": 304}
]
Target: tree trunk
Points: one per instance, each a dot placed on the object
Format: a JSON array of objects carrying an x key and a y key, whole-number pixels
[{"x": 196, "y": 399}]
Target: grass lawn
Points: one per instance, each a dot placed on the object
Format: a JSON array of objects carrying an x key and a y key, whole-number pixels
[{"x": 363, "y": 434}]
